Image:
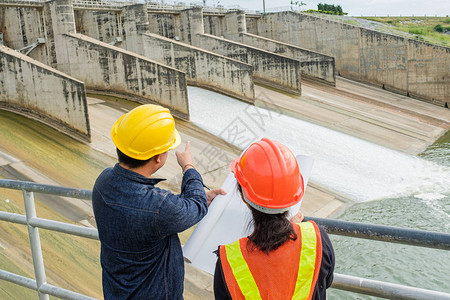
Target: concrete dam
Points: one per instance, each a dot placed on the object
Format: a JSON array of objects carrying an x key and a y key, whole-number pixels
[{"x": 62, "y": 61}]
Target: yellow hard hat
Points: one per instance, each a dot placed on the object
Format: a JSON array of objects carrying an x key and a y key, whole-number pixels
[{"x": 145, "y": 131}]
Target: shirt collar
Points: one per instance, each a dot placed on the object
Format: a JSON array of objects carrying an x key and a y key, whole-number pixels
[{"x": 135, "y": 176}]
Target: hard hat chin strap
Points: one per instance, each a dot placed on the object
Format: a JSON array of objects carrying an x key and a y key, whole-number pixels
[{"x": 270, "y": 211}]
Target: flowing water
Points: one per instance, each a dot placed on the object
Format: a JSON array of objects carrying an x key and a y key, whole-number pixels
[{"x": 390, "y": 188}]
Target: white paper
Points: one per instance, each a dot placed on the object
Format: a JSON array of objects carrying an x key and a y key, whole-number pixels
[{"x": 228, "y": 220}]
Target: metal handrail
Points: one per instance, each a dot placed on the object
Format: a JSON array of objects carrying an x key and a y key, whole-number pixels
[
  {"x": 344, "y": 282},
  {"x": 391, "y": 234}
]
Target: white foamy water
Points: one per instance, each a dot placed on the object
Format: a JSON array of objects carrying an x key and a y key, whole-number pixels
[{"x": 353, "y": 167}]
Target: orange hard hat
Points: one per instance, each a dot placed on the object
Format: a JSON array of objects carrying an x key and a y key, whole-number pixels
[{"x": 269, "y": 176}]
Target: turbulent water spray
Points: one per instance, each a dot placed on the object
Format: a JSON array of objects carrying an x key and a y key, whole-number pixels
[{"x": 353, "y": 167}]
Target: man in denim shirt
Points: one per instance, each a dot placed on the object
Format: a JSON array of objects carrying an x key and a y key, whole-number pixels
[{"x": 141, "y": 254}]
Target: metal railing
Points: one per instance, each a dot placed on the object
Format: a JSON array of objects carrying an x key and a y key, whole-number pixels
[
  {"x": 344, "y": 282},
  {"x": 34, "y": 223}
]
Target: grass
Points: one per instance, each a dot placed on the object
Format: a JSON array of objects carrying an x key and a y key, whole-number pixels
[
  {"x": 351, "y": 22},
  {"x": 421, "y": 27}
]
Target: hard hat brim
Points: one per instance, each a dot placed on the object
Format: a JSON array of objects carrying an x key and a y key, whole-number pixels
[{"x": 177, "y": 141}]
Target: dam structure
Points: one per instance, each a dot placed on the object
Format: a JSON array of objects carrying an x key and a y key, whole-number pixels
[
  {"x": 149, "y": 54},
  {"x": 361, "y": 102}
]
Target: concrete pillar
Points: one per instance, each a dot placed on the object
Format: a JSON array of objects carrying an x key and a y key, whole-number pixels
[
  {"x": 135, "y": 22},
  {"x": 192, "y": 24},
  {"x": 235, "y": 24},
  {"x": 59, "y": 13}
]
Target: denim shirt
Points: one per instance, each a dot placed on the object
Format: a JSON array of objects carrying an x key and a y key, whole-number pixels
[{"x": 141, "y": 253}]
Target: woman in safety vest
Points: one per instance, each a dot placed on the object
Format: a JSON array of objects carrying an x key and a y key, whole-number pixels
[{"x": 280, "y": 259}]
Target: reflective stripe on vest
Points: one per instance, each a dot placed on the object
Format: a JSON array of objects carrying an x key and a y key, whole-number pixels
[
  {"x": 307, "y": 272},
  {"x": 241, "y": 271},
  {"x": 307, "y": 262}
]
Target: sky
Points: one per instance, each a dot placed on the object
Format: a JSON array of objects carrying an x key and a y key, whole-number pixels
[{"x": 353, "y": 7}]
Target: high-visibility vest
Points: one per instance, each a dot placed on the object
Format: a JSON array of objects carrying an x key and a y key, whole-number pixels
[{"x": 289, "y": 272}]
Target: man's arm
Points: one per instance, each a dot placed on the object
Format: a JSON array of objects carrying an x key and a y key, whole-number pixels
[{"x": 180, "y": 212}]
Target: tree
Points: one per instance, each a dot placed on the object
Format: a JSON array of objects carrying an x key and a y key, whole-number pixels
[
  {"x": 320, "y": 6},
  {"x": 438, "y": 28},
  {"x": 330, "y": 9}
]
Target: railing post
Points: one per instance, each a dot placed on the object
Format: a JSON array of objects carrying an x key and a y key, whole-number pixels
[{"x": 35, "y": 243}]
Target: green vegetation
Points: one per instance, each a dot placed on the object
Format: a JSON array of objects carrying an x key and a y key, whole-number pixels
[
  {"x": 351, "y": 22},
  {"x": 438, "y": 28},
  {"x": 329, "y": 9},
  {"x": 430, "y": 29}
]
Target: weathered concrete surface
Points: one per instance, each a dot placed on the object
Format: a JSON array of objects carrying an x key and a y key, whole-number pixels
[
  {"x": 269, "y": 68},
  {"x": 367, "y": 112},
  {"x": 115, "y": 71},
  {"x": 37, "y": 91},
  {"x": 429, "y": 72},
  {"x": 101, "y": 66},
  {"x": 233, "y": 26},
  {"x": 314, "y": 66},
  {"x": 401, "y": 65},
  {"x": 101, "y": 25},
  {"x": 22, "y": 26},
  {"x": 203, "y": 68},
  {"x": 165, "y": 24},
  {"x": 112, "y": 70}
]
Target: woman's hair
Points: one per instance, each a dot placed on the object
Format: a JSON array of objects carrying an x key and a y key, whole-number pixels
[
  {"x": 129, "y": 161},
  {"x": 269, "y": 231}
]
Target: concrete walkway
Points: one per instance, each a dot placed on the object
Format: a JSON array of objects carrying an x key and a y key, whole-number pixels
[{"x": 363, "y": 111}]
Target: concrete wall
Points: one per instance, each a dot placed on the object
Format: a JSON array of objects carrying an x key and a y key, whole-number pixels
[
  {"x": 314, "y": 65},
  {"x": 115, "y": 71},
  {"x": 203, "y": 68},
  {"x": 252, "y": 23},
  {"x": 22, "y": 26},
  {"x": 404, "y": 66},
  {"x": 37, "y": 91},
  {"x": 111, "y": 70},
  {"x": 268, "y": 68},
  {"x": 429, "y": 70},
  {"x": 102, "y": 25},
  {"x": 214, "y": 25},
  {"x": 165, "y": 24},
  {"x": 104, "y": 68}
]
